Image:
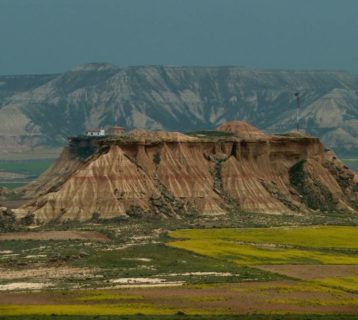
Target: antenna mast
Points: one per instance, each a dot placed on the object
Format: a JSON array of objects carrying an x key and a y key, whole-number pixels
[{"x": 297, "y": 95}]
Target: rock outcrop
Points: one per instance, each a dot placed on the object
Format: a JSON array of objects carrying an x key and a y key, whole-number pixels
[
  {"x": 241, "y": 129},
  {"x": 173, "y": 175}
]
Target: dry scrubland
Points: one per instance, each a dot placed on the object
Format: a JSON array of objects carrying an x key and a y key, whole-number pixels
[{"x": 141, "y": 273}]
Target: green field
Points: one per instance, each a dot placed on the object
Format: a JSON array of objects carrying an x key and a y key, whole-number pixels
[
  {"x": 31, "y": 169},
  {"x": 28, "y": 167},
  {"x": 13, "y": 185},
  {"x": 329, "y": 237},
  {"x": 330, "y": 245},
  {"x": 140, "y": 316},
  {"x": 310, "y": 245},
  {"x": 205, "y": 274}
]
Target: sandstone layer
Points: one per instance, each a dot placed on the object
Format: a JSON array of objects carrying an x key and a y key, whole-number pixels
[{"x": 167, "y": 174}]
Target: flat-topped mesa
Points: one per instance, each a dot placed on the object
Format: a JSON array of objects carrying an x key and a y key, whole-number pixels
[
  {"x": 166, "y": 174},
  {"x": 159, "y": 136}
]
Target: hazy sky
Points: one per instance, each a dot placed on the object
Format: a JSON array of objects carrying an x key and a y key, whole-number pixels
[{"x": 46, "y": 36}]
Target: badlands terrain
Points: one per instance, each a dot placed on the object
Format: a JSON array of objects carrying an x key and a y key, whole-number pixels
[
  {"x": 236, "y": 168},
  {"x": 224, "y": 224}
]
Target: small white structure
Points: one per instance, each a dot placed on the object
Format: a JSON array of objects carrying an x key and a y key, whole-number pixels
[{"x": 96, "y": 133}]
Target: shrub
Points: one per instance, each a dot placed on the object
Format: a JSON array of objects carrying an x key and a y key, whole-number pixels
[
  {"x": 7, "y": 221},
  {"x": 28, "y": 220},
  {"x": 156, "y": 158}
]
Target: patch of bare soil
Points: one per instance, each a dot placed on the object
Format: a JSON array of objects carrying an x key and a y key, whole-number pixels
[
  {"x": 55, "y": 235},
  {"x": 311, "y": 272},
  {"x": 23, "y": 286},
  {"x": 14, "y": 204},
  {"x": 45, "y": 273},
  {"x": 143, "y": 282},
  {"x": 26, "y": 298}
]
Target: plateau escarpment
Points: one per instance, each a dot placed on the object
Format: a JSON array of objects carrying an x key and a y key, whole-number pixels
[{"x": 163, "y": 174}]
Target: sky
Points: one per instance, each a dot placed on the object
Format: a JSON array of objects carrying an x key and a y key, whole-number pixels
[{"x": 50, "y": 36}]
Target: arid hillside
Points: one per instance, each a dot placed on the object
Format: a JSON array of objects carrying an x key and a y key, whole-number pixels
[
  {"x": 41, "y": 111},
  {"x": 168, "y": 174}
]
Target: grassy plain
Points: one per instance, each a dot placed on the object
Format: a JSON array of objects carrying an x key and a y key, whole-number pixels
[
  {"x": 334, "y": 237},
  {"x": 140, "y": 316},
  {"x": 254, "y": 246},
  {"x": 349, "y": 284},
  {"x": 29, "y": 169},
  {"x": 201, "y": 273},
  {"x": 333, "y": 245},
  {"x": 35, "y": 154}
]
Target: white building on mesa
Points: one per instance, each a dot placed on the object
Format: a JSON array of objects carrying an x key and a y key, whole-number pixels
[{"x": 96, "y": 133}]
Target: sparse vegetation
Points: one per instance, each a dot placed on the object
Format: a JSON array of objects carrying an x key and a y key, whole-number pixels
[
  {"x": 230, "y": 203},
  {"x": 7, "y": 221},
  {"x": 83, "y": 147},
  {"x": 28, "y": 220},
  {"x": 314, "y": 194},
  {"x": 135, "y": 212},
  {"x": 156, "y": 158}
]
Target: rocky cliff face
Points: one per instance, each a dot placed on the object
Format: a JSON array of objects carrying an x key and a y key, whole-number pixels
[
  {"x": 172, "y": 175},
  {"x": 45, "y": 110}
]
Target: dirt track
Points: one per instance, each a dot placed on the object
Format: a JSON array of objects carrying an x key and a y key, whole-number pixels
[{"x": 55, "y": 235}]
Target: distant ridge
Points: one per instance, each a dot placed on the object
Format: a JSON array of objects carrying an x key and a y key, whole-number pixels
[{"x": 41, "y": 111}]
